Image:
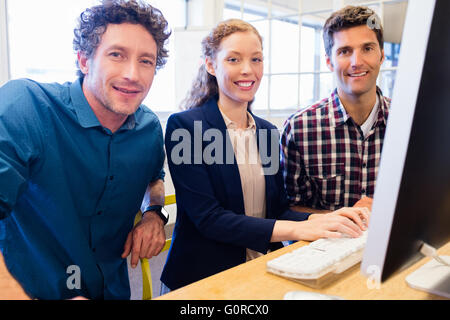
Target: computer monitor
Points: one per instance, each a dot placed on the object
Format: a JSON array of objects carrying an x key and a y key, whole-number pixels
[{"x": 412, "y": 196}]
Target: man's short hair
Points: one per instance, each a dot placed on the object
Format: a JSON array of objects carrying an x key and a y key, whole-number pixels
[
  {"x": 93, "y": 22},
  {"x": 349, "y": 17}
]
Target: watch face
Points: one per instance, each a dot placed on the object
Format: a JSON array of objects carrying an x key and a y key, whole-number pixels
[{"x": 165, "y": 213}]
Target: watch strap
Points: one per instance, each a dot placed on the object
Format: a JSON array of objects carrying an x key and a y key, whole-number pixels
[{"x": 158, "y": 210}]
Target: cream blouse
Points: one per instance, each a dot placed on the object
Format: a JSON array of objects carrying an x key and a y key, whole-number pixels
[{"x": 250, "y": 170}]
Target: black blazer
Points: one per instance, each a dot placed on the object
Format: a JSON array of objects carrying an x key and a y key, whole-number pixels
[{"x": 212, "y": 231}]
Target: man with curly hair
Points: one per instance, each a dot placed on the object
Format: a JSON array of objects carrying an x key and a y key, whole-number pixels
[
  {"x": 78, "y": 160},
  {"x": 331, "y": 149}
]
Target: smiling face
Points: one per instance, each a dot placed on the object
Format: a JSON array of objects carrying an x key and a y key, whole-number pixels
[
  {"x": 356, "y": 58},
  {"x": 120, "y": 74},
  {"x": 238, "y": 68}
]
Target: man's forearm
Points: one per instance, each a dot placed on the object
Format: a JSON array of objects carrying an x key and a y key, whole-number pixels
[
  {"x": 364, "y": 202},
  {"x": 147, "y": 238},
  {"x": 154, "y": 195}
]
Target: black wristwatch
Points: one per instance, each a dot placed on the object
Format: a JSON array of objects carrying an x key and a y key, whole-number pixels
[{"x": 158, "y": 210}]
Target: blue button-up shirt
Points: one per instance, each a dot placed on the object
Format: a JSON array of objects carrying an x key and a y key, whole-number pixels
[{"x": 69, "y": 189}]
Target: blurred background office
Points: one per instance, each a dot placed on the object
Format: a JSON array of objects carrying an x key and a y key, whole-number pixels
[{"x": 36, "y": 42}]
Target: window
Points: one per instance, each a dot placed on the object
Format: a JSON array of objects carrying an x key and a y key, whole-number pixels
[
  {"x": 40, "y": 43},
  {"x": 296, "y": 74},
  {"x": 41, "y": 33}
]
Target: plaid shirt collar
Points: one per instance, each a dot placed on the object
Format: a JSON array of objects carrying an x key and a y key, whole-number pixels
[{"x": 339, "y": 116}]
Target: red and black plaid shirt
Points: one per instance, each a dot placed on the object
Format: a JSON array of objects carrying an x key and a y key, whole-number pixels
[{"x": 326, "y": 161}]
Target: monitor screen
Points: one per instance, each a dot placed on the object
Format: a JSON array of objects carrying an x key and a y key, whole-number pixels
[{"x": 412, "y": 196}]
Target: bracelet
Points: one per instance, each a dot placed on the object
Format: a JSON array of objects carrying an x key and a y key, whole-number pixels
[{"x": 158, "y": 210}]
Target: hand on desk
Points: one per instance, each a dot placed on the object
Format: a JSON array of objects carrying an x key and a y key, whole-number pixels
[{"x": 146, "y": 240}]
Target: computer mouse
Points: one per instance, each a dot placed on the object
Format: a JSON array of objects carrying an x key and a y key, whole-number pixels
[{"x": 306, "y": 295}]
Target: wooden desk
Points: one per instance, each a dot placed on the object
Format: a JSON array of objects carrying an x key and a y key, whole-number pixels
[{"x": 251, "y": 281}]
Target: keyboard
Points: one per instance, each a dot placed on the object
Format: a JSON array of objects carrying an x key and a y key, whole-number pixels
[{"x": 319, "y": 259}]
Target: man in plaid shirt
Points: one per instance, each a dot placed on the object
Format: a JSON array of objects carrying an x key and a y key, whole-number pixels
[{"x": 331, "y": 150}]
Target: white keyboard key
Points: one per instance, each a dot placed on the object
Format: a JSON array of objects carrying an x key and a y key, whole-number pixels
[{"x": 319, "y": 258}]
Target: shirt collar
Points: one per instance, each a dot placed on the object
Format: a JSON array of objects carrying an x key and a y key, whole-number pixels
[
  {"x": 86, "y": 117},
  {"x": 132, "y": 121},
  {"x": 340, "y": 116},
  {"x": 232, "y": 125}
]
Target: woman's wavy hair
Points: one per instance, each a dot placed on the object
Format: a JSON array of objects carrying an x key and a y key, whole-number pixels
[
  {"x": 93, "y": 22},
  {"x": 205, "y": 85}
]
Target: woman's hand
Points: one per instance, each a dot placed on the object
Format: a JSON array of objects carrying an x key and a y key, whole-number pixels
[{"x": 348, "y": 221}]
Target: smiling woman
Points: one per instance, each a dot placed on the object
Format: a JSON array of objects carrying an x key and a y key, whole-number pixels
[
  {"x": 229, "y": 212},
  {"x": 238, "y": 69},
  {"x": 205, "y": 85}
]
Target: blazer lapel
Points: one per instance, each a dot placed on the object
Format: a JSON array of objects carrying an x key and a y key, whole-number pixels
[{"x": 229, "y": 170}]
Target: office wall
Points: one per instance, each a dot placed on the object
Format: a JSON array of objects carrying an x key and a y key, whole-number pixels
[{"x": 187, "y": 58}]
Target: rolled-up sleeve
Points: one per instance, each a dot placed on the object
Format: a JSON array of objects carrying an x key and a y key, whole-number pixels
[{"x": 20, "y": 143}]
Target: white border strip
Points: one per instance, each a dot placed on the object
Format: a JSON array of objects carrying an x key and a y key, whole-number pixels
[
  {"x": 411, "y": 61},
  {"x": 5, "y": 73}
]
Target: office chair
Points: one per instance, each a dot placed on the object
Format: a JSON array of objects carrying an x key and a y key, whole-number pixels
[{"x": 147, "y": 290}]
